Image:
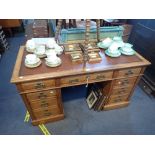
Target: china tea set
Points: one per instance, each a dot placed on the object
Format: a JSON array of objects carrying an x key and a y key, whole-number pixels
[
  {"x": 115, "y": 47},
  {"x": 49, "y": 51}
]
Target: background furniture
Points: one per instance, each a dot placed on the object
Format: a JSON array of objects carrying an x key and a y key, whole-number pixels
[
  {"x": 143, "y": 40},
  {"x": 8, "y": 24},
  {"x": 3, "y": 42},
  {"x": 73, "y": 26},
  {"x": 113, "y": 22},
  {"x": 75, "y": 35},
  {"x": 39, "y": 30},
  {"x": 40, "y": 88}
]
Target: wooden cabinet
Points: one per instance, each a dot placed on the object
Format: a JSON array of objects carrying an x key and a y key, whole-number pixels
[
  {"x": 40, "y": 87},
  {"x": 9, "y": 23}
]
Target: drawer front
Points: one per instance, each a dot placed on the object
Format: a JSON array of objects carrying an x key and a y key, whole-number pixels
[
  {"x": 117, "y": 99},
  {"x": 38, "y": 85},
  {"x": 125, "y": 82},
  {"x": 46, "y": 112},
  {"x": 128, "y": 72},
  {"x": 72, "y": 80},
  {"x": 43, "y": 103},
  {"x": 42, "y": 95},
  {"x": 121, "y": 91},
  {"x": 101, "y": 76}
]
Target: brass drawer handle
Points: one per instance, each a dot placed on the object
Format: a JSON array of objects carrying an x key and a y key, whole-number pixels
[
  {"x": 42, "y": 96},
  {"x": 44, "y": 105},
  {"x": 122, "y": 82},
  {"x": 125, "y": 83},
  {"x": 98, "y": 77},
  {"x": 129, "y": 72},
  {"x": 47, "y": 114},
  {"x": 118, "y": 100},
  {"x": 39, "y": 85},
  {"x": 74, "y": 81},
  {"x": 46, "y": 110},
  {"x": 126, "y": 80},
  {"x": 43, "y": 101},
  {"x": 122, "y": 91}
]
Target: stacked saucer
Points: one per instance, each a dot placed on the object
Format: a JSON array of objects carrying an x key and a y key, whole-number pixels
[
  {"x": 40, "y": 51},
  {"x": 51, "y": 44},
  {"x": 30, "y": 46},
  {"x": 32, "y": 61},
  {"x": 58, "y": 49},
  {"x": 113, "y": 50},
  {"x": 127, "y": 49},
  {"x": 105, "y": 43},
  {"x": 52, "y": 60},
  {"x": 119, "y": 41},
  {"x": 115, "y": 53}
]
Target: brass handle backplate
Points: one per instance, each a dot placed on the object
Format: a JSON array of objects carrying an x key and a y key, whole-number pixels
[
  {"x": 39, "y": 85},
  {"x": 98, "y": 77},
  {"x": 73, "y": 80}
]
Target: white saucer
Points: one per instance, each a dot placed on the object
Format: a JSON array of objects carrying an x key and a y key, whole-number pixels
[
  {"x": 53, "y": 64},
  {"x": 30, "y": 51},
  {"x": 112, "y": 54},
  {"x": 41, "y": 56},
  {"x": 38, "y": 63},
  {"x": 128, "y": 53}
]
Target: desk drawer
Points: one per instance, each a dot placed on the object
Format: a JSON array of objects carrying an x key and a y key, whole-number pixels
[
  {"x": 43, "y": 103},
  {"x": 118, "y": 98},
  {"x": 46, "y": 112},
  {"x": 101, "y": 76},
  {"x": 125, "y": 82},
  {"x": 72, "y": 80},
  {"x": 38, "y": 85},
  {"x": 128, "y": 72},
  {"x": 42, "y": 95},
  {"x": 121, "y": 91}
]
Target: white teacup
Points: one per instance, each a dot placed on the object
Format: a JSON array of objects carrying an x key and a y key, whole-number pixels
[
  {"x": 31, "y": 58},
  {"x": 127, "y": 49},
  {"x": 58, "y": 49},
  {"x": 116, "y": 38},
  {"x": 52, "y": 58},
  {"x": 30, "y": 45},
  {"x": 107, "y": 41},
  {"x": 120, "y": 43},
  {"x": 50, "y": 43},
  {"x": 128, "y": 45},
  {"x": 40, "y": 50},
  {"x": 113, "y": 47},
  {"x": 50, "y": 52}
]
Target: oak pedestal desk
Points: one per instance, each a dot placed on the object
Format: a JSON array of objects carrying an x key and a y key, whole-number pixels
[{"x": 40, "y": 88}]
